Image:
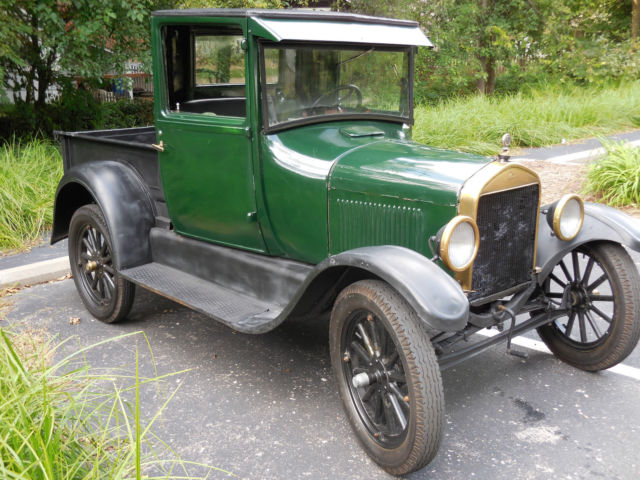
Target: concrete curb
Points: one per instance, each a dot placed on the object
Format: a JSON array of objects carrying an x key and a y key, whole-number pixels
[{"x": 33, "y": 273}]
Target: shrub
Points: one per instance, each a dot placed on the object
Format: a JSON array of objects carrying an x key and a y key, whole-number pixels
[{"x": 616, "y": 177}]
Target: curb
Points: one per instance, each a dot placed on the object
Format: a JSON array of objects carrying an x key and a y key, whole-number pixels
[{"x": 33, "y": 273}]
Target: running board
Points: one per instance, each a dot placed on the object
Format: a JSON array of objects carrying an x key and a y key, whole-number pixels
[{"x": 239, "y": 311}]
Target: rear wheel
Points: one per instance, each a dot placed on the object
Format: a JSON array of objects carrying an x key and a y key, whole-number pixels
[
  {"x": 598, "y": 286},
  {"x": 388, "y": 376},
  {"x": 106, "y": 294}
]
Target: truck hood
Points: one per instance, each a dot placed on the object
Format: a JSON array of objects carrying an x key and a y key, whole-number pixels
[{"x": 381, "y": 164}]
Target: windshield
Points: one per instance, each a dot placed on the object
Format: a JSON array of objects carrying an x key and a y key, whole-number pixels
[{"x": 301, "y": 82}]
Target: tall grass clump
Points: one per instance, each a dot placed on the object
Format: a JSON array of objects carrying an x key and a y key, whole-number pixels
[
  {"x": 29, "y": 175},
  {"x": 63, "y": 422},
  {"x": 616, "y": 176},
  {"x": 535, "y": 118}
]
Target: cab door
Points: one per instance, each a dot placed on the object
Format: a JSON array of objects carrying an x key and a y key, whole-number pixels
[{"x": 206, "y": 163}]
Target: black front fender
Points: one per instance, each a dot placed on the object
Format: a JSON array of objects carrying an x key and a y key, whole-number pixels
[
  {"x": 601, "y": 223},
  {"x": 430, "y": 291},
  {"x": 125, "y": 202}
]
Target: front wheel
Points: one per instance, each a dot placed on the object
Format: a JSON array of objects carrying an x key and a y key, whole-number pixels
[
  {"x": 106, "y": 294},
  {"x": 388, "y": 376},
  {"x": 598, "y": 286}
]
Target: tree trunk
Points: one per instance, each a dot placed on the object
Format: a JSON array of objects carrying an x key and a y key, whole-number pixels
[
  {"x": 481, "y": 84},
  {"x": 491, "y": 76},
  {"x": 635, "y": 19}
]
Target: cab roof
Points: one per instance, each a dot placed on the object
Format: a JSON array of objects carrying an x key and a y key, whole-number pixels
[{"x": 315, "y": 26}]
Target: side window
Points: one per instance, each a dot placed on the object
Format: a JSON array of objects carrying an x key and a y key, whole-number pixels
[{"x": 205, "y": 70}]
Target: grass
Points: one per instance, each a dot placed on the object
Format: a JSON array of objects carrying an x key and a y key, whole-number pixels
[
  {"x": 616, "y": 177},
  {"x": 64, "y": 421},
  {"x": 29, "y": 175},
  {"x": 536, "y": 118}
]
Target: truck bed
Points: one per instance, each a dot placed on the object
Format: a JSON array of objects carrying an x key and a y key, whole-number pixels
[{"x": 131, "y": 146}]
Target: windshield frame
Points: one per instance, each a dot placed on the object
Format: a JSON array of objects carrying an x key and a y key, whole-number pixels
[{"x": 266, "y": 128}]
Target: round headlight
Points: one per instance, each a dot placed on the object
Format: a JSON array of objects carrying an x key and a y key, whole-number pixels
[
  {"x": 568, "y": 215},
  {"x": 459, "y": 243}
]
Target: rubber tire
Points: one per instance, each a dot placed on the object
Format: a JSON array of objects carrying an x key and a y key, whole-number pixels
[
  {"x": 425, "y": 425},
  {"x": 124, "y": 292},
  {"x": 625, "y": 330}
]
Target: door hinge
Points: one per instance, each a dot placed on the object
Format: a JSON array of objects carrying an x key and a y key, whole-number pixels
[{"x": 158, "y": 146}]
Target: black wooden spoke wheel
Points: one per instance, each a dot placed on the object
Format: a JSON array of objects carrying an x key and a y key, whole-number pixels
[
  {"x": 598, "y": 286},
  {"x": 388, "y": 376},
  {"x": 103, "y": 291}
]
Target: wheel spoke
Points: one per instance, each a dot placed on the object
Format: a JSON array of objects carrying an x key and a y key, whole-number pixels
[
  {"x": 555, "y": 295},
  {"x": 604, "y": 316},
  {"x": 397, "y": 377},
  {"x": 375, "y": 337},
  {"x": 87, "y": 243},
  {"x": 109, "y": 269},
  {"x": 94, "y": 281},
  {"x": 390, "y": 362},
  {"x": 583, "y": 328},
  {"x": 397, "y": 411},
  {"x": 92, "y": 239},
  {"x": 576, "y": 266},
  {"x": 366, "y": 340},
  {"x": 369, "y": 393},
  {"x": 557, "y": 280},
  {"x": 587, "y": 271},
  {"x": 594, "y": 327},
  {"x": 377, "y": 406},
  {"x": 569, "y": 326},
  {"x": 360, "y": 351},
  {"x": 387, "y": 410},
  {"x": 109, "y": 282},
  {"x": 597, "y": 283},
  {"x": 601, "y": 298},
  {"x": 394, "y": 388},
  {"x": 106, "y": 292},
  {"x": 565, "y": 270}
]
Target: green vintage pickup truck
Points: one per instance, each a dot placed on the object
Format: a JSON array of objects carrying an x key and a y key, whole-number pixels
[{"x": 280, "y": 181}]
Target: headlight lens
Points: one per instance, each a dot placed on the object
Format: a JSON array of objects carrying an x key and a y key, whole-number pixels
[
  {"x": 567, "y": 215},
  {"x": 459, "y": 243}
]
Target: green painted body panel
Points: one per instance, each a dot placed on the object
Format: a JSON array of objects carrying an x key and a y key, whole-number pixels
[
  {"x": 207, "y": 177},
  {"x": 315, "y": 189},
  {"x": 327, "y": 190}
]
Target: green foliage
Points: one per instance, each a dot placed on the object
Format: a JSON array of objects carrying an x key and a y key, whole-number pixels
[
  {"x": 64, "y": 422},
  {"x": 535, "y": 118},
  {"x": 85, "y": 38},
  {"x": 127, "y": 113},
  {"x": 77, "y": 110},
  {"x": 29, "y": 175},
  {"x": 616, "y": 177}
]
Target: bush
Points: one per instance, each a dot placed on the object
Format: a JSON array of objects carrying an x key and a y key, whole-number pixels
[
  {"x": 616, "y": 177},
  {"x": 74, "y": 110}
]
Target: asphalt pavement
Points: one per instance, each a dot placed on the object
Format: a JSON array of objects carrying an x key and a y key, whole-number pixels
[{"x": 266, "y": 406}]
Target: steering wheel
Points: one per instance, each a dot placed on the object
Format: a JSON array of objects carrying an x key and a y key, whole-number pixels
[{"x": 352, "y": 91}]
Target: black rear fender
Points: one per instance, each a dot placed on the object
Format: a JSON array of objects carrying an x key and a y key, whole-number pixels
[{"x": 124, "y": 199}]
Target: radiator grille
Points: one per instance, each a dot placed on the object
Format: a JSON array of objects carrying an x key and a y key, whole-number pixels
[{"x": 507, "y": 223}]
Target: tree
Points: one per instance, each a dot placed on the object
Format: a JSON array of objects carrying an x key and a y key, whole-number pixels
[
  {"x": 52, "y": 41},
  {"x": 635, "y": 19}
]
